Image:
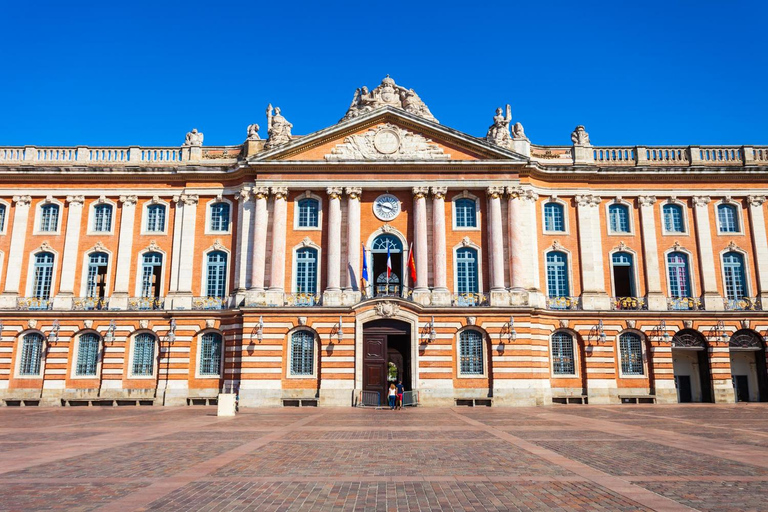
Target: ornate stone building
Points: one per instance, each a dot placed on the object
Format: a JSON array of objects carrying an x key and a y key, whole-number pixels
[{"x": 308, "y": 269}]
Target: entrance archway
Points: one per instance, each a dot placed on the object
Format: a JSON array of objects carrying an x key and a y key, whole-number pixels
[
  {"x": 750, "y": 382},
  {"x": 386, "y": 355},
  {"x": 690, "y": 363}
]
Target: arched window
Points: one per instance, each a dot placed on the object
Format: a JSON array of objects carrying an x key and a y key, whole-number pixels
[
  {"x": 466, "y": 271},
  {"x": 733, "y": 271},
  {"x": 102, "y": 218},
  {"x": 554, "y": 217},
  {"x": 87, "y": 354},
  {"x": 220, "y": 217},
  {"x": 728, "y": 218},
  {"x": 623, "y": 274},
  {"x": 96, "y": 281},
  {"x": 309, "y": 213},
  {"x": 151, "y": 272},
  {"x": 384, "y": 242},
  {"x": 466, "y": 215},
  {"x": 673, "y": 218},
  {"x": 471, "y": 353},
  {"x": 49, "y": 217},
  {"x": 563, "y": 362},
  {"x": 302, "y": 353},
  {"x": 41, "y": 286},
  {"x": 144, "y": 355},
  {"x": 631, "y": 352},
  {"x": 386, "y": 247},
  {"x": 679, "y": 276},
  {"x": 557, "y": 274},
  {"x": 155, "y": 218},
  {"x": 2, "y": 217},
  {"x": 210, "y": 353},
  {"x": 618, "y": 216},
  {"x": 216, "y": 283},
  {"x": 31, "y": 353},
  {"x": 306, "y": 270}
]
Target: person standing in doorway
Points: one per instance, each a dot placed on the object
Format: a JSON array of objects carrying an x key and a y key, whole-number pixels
[
  {"x": 400, "y": 391},
  {"x": 392, "y": 396}
]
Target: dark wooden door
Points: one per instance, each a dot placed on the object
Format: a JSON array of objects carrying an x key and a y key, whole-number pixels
[
  {"x": 742, "y": 388},
  {"x": 684, "y": 389},
  {"x": 375, "y": 364}
]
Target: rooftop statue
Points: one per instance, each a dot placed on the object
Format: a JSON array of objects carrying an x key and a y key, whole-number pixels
[
  {"x": 253, "y": 132},
  {"x": 194, "y": 138},
  {"x": 498, "y": 132},
  {"x": 278, "y": 128},
  {"x": 518, "y": 133},
  {"x": 388, "y": 93},
  {"x": 580, "y": 137}
]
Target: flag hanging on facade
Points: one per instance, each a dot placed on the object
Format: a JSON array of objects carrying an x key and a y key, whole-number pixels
[
  {"x": 389, "y": 265},
  {"x": 364, "y": 278},
  {"x": 412, "y": 265}
]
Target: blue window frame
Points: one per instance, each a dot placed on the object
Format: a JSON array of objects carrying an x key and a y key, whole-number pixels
[
  {"x": 155, "y": 218},
  {"x": 466, "y": 213},
  {"x": 554, "y": 217},
  {"x": 557, "y": 274},
  {"x": 87, "y": 354},
  {"x": 220, "y": 217},
  {"x": 151, "y": 270},
  {"x": 97, "y": 272},
  {"x": 673, "y": 218},
  {"x": 471, "y": 352},
  {"x": 210, "y": 354},
  {"x": 679, "y": 275},
  {"x": 618, "y": 215},
  {"x": 31, "y": 354},
  {"x": 733, "y": 270},
  {"x": 102, "y": 218},
  {"x": 302, "y": 353},
  {"x": 216, "y": 283},
  {"x": 41, "y": 287},
  {"x": 466, "y": 271},
  {"x": 144, "y": 355},
  {"x": 309, "y": 213},
  {"x": 2, "y": 217},
  {"x": 563, "y": 362},
  {"x": 630, "y": 348},
  {"x": 306, "y": 270},
  {"x": 728, "y": 217},
  {"x": 49, "y": 217}
]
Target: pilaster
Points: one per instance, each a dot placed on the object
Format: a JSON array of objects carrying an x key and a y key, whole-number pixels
[
  {"x": 16, "y": 251},
  {"x": 593, "y": 294},
  {"x": 757, "y": 223},
  {"x": 119, "y": 299},
  {"x": 243, "y": 242},
  {"x": 184, "y": 239},
  {"x": 712, "y": 299},
  {"x": 63, "y": 299},
  {"x": 656, "y": 299}
]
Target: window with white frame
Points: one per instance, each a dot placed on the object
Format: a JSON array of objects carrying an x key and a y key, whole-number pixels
[
  {"x": 302, "y": 353},
  {"x": 41, "y": 286},
  {"x": 471, "y": 352},
  {"x": 309, "y": 216},
  {"x": 728, "y": 218},
  {"x": 144, "y": 355},
  {"x": 733, "y": 271},
  {"x": 2, "y": 217},
  {"x": 216, "y": 284},
  {"x": 631, "y": 351},
  {"x": 49, "y": 218},
  {"x": 673, "y": 218},
  {"x": 618, "y": 218},
  {"x": 31, "y": 354},
  {"x": 210, "y": 353},
  {"x": 557, "y": 274},
  {"x": 679, "y": 275},
  {"x": 102, "y": 218},
  {"x": 306, "y": 270},
  {"x": 87, "y": 355},
  {"x": 466, "y": 213},
  {"x": 466, "y": 271},
  {"x": 155, "y": 218},
  {"x": 220, "y": 217},
  {"x": 554, "y": 217},
  {"x": 563, "y": 362},
  {"x": 96, "y": 280},
  {"x": 151, "y": 272},
  {"x": 623, "y": 274}
]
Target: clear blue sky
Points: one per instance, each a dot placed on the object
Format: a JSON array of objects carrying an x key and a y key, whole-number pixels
[{"x": 133, "y": 72}]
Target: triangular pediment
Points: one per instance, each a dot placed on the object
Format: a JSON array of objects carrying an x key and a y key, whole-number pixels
[{"x": 388, "y": 135}]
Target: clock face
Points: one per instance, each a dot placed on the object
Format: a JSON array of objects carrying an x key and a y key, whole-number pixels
[{"x": 386, "y": 207}]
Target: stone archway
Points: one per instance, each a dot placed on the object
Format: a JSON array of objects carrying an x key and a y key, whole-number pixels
[
  {"x": 748, "y": 369},
  {"x": 690, "y": 363}
]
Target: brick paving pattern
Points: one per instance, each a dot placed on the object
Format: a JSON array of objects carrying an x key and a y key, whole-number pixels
[{"x": 569, "y": 458}]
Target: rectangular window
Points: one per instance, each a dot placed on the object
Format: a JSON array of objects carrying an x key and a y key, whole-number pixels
[
  {"x": 466, "y": 271},
  {"x": 102, "y": 218},
  {"x": 466, "y": 214},
  {"x": 2, "y": 217},
  {"x": 673, "y": 218},
  {"x": 210, "y": 354},
  {"x": 144, "y": 355},
  {"x": 562, "y": 354},
  {"x": 87, "y": 355},
  {"x": 43, "y": 277},
  {"x": 631, "y": 355},
  {"x": 554, "y": 218},
  {"x": 619, "y": 218},
  {"x": 302, "y": 353},
  {"x": 471, "y": 353},
  {"x": 308, "y": 213},
  {"x": 155, "y": 218},
  {"x": 49, "y": 217},
  {"x": 306, "y": 271},
  {"x": 31, "y": 352},
  {"x": 220, "y": 217}
]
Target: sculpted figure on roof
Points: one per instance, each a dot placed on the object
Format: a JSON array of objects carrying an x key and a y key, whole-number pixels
[
  {"x": 194, "y": 138},
  {"x": 580, "y": 137},
  {"x": 498, "y": 132},
  {"x": 278, "y": 128},
  {"x": 388, "y": 93}
]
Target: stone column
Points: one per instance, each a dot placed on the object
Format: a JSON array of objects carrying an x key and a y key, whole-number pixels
[
  {"x": 712, "y": 299},
  {"x": 593, "y": 294},
  {"x": 421, "y": 256},
  {"x": 276, "y": 293},
  {"x": 757, "y": 221},
  {"x": 16, "y": 251},
  {"x": 120, "y": 294},
  {"x": 441, "y": 296},
  {"x": 259, "y": 244},
  {"x": 523, "y": 247},
  {"x": 184, "y": 238},
  {"x": 352, "y": 294},
  {"x": 499, "y": 294},
  {"x": 63, "y": 299},
  {"x": 656, "y": 299},
  {"x": 332, "y": 294},
  {"x": 243, "y": 242}
]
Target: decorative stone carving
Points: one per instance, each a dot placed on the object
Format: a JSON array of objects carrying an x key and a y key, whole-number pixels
[
  {"x": 744, "y": 324},
  {"x": 354, "y": 192},
  {"x": 701, "y": 200},
  {"x": 48, "y": 199},
  {"x": 22, "y": 200},
  {"x": 564, "y": 323},
  {"x": 646, "y": 200},
  {"x": 387, "y": 309},
  {"x": 439, "y": 192},
  {"x": 155, "y": 200},
  {"x": 386, "y": 228},
  {"x": 306, "y": 242},
  {"x": 217, "y": 245},
  {"x": 144, "y": 324},
  {"x": 210, "y": 323},
  {"x": 153, "y": 246},
  {"x": 756, "y": 200},
  {"x": 129, "y": 200},
  {"x": 75, "y": 200},
  {"x": 280, "y": 192},
  {"x": 98, "y": 246},
  {"x": 102, "y": 199},
  {"x": 494, "y": 192},
  {"x": 580, "y": 137},
  {"x": 194, "y": 138},
  {"x": 676, "y": 246},
  {"x": 278, "y": 128},
  {"x": 419, "y": 192},
  {"x": 518, "y": 133},
  {"x": 32, "y": 323},
  {"x": 498, "y": 132},
  {"x": 556, "y": 246},
  {"x": 387, "y": 142},
  {"x": 732, "y": 246},
  {"x": 388, "y": 93},
  {"x": 588, "y": 200},
  {"x": 631, "y": 324},
  {"x": 189, "y": 199},
  {"x": 466, "y": 242},
  {"x": 88, "y": 323},
  {"x": 334, "y": 192},
  {"x": 260, "y": 192},
  {"x": 243, "y": 194},
  {"x": 522, "y": 193},
  {"x": 688, "y": 324},
  {"x": 253, "y": 132},
  {"x": 471, "y": 320},
  {"x": 45, "y": 246},
  {"x": 621, "y": 247},
  {"x": 302, "y": 320}
]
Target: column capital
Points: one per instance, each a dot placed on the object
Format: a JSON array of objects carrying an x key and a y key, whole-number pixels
[
  {"x": 130, "y": 200},
  {"x": 187, "y": 199},
  {"x": 439, "y": 192},
  {"x": 420, "y": 192},
  {"x": 587, "y": 200},
  {"x": 756, "y": 200},
  {"x": 494, "y": 192},
  {"x": 334, "y": 192},
  {"x": 22, "y": 200},
  {"x": 243, "y": 194},
  {"x": 701, "y": 200},
  {"x": 646, "y": 200},
  {"x": 280, "y": 192},
  {"x": 75, "y": 200},
  {"x": 260, "y": 192},
  {"x": 354, "y": 192},
  {"x": 522, "y": 193}
]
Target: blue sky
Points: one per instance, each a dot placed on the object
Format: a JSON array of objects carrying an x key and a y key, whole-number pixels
[{"x": 121, "y": 73}]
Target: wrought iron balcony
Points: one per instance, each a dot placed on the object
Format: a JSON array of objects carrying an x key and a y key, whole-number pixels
[
  {"x": 564, "y": 303},
  {"x": 145, "y": 303},
  {"x": 302, "y": 299},
  {"x": 629, "y": 303},
  {"x": 470, "y": 299},
  {"x": 33, "y": 303},
  {"x": 210, "y": 303},
  {"x": 684, "y": 304},
  {"x": 90, "y": 303},
  {"x": 743, "y": 304}
]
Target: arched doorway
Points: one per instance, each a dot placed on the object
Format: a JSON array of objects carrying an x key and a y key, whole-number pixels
[
  {"x": 748, "y": 371},
  {"x": 384, "y": 246},
  {"x": 386, "y": 355},
  {"x": 690, "y": 362}
]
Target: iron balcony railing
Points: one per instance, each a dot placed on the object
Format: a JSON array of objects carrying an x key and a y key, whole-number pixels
[
  {"x": 33, "y": 303},
  {"x": 90, "y": 303},
  {"x": 743, "y": 304},
  {"x": 201, "y": 303},
  {"x": 302, "y": 299},
  {"x": 145, "y": 303},
  {"x": 684, "y": 304},
  {"x": 564, "y": 303},
  {"x": 629, "y": 303},
  {"x": 470, "y": 299}
]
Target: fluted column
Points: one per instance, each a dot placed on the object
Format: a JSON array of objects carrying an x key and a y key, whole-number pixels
[
  {"x": 523, "y": 246},
  {"x": 712, "y": 298},
  {"x": 440, "y": 293},
  {"x": 243, "y": 240},
  {"x": 352, "y": 292},
  {"x": 332, "y": 294},
  {"x": 277, "y": 278},
  {"x": 421, "y": 256},
  {"x": 757, "y": 223},
  {"x": 259, "y": 232},
  {"x": 119, "y": 299},
  {"x": 499, "y": 295},
  {"x": 16, "y": 250},
  {"x": 594, "y": 295},
  {"x": 656, "y": 299},
  {"x": 63, "y": 299}
]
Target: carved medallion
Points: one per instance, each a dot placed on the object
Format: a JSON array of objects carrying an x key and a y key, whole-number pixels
[
  {"x": 387, "y": 141},
  {"x": 387, "y": 309}
]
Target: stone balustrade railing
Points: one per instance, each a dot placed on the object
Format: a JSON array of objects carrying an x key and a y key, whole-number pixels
[
  {"x": 681, "y": 155},
  {"x": 133, "y": 155}
]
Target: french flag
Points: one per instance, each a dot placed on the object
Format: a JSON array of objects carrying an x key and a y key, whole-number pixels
[{"x": 389, "y": 264}]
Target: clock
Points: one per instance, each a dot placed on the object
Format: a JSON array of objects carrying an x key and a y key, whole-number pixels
[{"x": 386, "y": 207}]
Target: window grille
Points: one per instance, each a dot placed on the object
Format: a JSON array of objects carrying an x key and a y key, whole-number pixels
[
  {"x": 31, "y": 353},
  {"x": 471, "y": 353},
  {"x": 554, "y": 217},
  {"x": 466, "y": 213},
  {"x": 217, "y": 274},
  {"x": 631, "y": 354},
  {"x": 308, "y": 213},
  {"x": 619, "y": 218},
  {"x": 466, "y": 271},
  {"x": 2, "y": 217},
  {"x": 729, "y": 221},
  {"x": 156, "y": 218},
  {"x": 220, "y": 217},
  {"x": 97, "y": 264},
  {"x": 102, "y": 218},
  {"x": 302, "y": 353},
  {"x": 149, "y": 288},
  {"x": 679, "y": 281},
  {"x": 49, "y": 217},
  {"x": 144, "y": 354},
  {"x": 306, "y": 270},
  {"x": 557, "y": 274},
  {"x": 673, "y": 218},
  {"x": 43, "y": 275},
  {"x": 210, "y": 354},
  {"x": 382, "y": 242},
  {"x": 562, "y": 354},
  {"x": 733, "y": 267},
  {"x": 87, "y": 355}
]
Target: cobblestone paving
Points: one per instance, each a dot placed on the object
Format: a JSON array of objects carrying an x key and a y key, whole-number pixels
[{"x": 569, "y": 458}]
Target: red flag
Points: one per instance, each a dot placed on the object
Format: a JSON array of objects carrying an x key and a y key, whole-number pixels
[{"x": 412, "y": 265}]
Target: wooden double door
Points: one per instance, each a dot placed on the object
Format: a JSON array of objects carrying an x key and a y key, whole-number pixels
[{"x": 385, "y": 341}]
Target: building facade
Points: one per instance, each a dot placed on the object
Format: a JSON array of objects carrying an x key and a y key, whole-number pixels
[{"x": 308, "y": 269}]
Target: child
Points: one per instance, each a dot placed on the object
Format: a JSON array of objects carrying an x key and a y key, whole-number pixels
[
  {"x": 392, "y": 396},
  {"x": 400, "y": 390}
]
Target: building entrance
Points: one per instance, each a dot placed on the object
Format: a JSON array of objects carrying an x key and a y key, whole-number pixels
[
  {"x": 690, "y": 364},
  {"x": 386, "y": 355}
]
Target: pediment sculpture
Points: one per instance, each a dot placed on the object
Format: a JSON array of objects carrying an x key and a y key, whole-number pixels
[
  {"x": 388, "y": 93},
  {"x": 498, "y": 132},
  {"x": 278, "y": 128},
  {"x": 387, "y": 142}
]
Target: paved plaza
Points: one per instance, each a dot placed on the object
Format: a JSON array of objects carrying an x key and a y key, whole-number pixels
[{"x": 704, "y": 457}]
